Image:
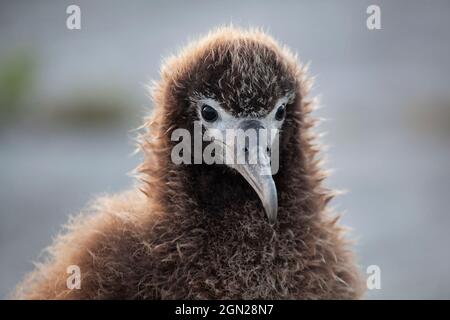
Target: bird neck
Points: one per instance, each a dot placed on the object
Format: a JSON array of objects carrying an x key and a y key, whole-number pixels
[{"x": 217, "y": 189}]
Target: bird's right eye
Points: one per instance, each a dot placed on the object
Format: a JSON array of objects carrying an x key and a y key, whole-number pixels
[{"x": 209, "y": 113}]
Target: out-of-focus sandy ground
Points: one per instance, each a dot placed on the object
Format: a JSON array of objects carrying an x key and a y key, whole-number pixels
[{"x": 68, "y": 98}]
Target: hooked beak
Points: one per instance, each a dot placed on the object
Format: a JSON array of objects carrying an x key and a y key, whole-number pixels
[
  {"x": 256, "y": 167},
  {"x": 264, "y": 187}
]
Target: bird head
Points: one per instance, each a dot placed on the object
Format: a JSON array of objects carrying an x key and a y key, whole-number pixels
[{"x": 243, "y": 91}]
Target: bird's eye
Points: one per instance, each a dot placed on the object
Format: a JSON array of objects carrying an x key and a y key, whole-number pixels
[
  {"x": 209, "y": 113},
  {"x": 281, "y": 112}
]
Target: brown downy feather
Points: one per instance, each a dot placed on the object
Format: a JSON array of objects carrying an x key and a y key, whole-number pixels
[{"x": 197, "y": 231}]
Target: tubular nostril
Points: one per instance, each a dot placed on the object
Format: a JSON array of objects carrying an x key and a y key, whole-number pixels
[{"x": 246, "y": 150}]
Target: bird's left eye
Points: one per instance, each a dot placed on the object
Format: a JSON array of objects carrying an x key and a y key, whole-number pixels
[
  {"x": 281, "y": 112},
  {"x": 209, "y": 113}
]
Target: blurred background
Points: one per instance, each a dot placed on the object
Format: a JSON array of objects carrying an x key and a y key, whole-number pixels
[{"x": 69, "y": 99}]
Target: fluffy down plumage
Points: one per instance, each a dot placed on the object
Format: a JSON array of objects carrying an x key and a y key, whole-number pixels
[{"x": 196, "y": 231}]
